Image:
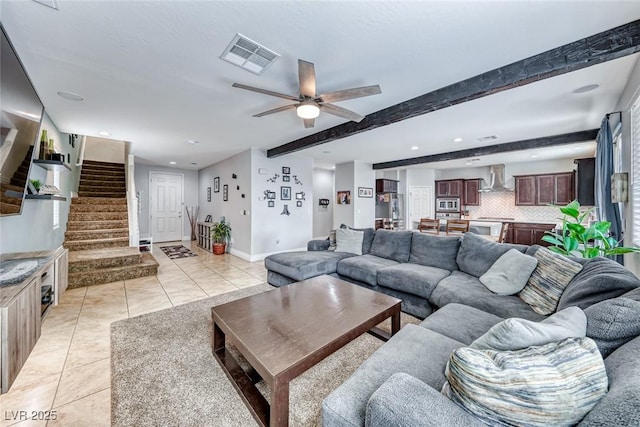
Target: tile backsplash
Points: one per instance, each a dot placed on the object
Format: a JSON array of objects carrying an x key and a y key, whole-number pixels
[{"x": 503, "y": 205}]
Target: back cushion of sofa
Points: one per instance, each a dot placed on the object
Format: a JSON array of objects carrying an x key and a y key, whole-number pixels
[
  {"x": 395, "y": 245},
  {"x": 599, "y": 279},
  {"x": 434, "y": 251},
  {"x": 477, "y": 254}
]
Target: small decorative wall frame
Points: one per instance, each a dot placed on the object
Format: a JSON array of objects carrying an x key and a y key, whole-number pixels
[
  {"x": 216, "y": 184},
  {"x": 299, "y": 203},
  {"x": 225, "y": 193},
  {"x": 620, "y": 187},
  {"x": 323, "y": 202},
  {"x": 208, "y": 194},
  {"x": 286, "y": 170},
  {"x": 285, "y": 193},
  {"x": 271, "y": 203},
  {"x": 300, "y": 195},
  {"x": 271, "y": 195},
  {"x": 234, "y": 176},
  {"x": 286, "y": 178},
  {"x": 344, "y": 197},
  {"x": 365, "y": 192}
]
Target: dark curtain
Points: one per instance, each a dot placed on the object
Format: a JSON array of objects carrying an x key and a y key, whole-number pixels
[{"x": 606, "y": 210}]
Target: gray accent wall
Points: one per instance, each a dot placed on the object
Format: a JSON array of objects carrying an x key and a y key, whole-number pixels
[
  {"x": 322, "y": 189},
  {"x": 33, "y": 230},
  {"x": 189, "y": 196}
]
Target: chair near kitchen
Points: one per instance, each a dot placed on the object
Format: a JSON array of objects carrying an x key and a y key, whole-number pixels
[
  {"x": 457, "y": 226},
  {"x": 503, "y": 232},
  {"x": 429, "y": 225}
]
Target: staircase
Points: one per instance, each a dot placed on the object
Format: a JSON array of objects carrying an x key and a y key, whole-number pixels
[
  {"x": 8, "y": 204},
  {"x": 97, "y": 233}
]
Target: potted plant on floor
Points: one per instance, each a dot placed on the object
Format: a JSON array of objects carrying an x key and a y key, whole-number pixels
[{"x": 220, "y": 234}]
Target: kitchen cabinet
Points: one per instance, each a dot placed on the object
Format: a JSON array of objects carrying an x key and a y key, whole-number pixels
[
  {"x": 449, "y": 188},
  {"x": 544, "y": 189},
  {"x": 525, "y": 233},
  {"x": 386, "y": 186},
  {"x": 471, "y": 194}
]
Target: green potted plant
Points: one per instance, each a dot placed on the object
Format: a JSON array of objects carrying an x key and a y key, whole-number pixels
[
  {"x": 586, "y": 241},
  {"x": 36, "y": 183},
  {"x": 220, "y": 234}
]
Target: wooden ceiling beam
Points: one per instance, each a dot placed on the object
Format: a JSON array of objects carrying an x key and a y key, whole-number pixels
[
  {"x": 602, "y": 47},
  {"x": 527, "y": 144}
]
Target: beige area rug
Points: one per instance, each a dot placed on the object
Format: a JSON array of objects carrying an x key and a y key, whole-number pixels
[{"x": 163, "y": 372}]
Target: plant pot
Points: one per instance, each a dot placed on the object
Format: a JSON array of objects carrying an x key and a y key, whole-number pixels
[{"x": 218, "y": 248}]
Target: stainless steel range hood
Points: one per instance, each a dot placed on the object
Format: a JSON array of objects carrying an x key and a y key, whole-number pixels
[{"x": 496, "y": 181}]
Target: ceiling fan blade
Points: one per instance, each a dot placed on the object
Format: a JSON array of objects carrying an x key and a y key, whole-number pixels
[
  {"x": 307, "y": 77},
  {"x": 266, "y": 92},
  {"x": 276, "y": 110},
  {"x": 308, "y": 123},
  {"x": 342, "y": 112},
  {"x": 356, "y": 92}
]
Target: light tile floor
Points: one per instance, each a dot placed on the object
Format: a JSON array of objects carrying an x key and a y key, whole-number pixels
[{"x": 68, "y": 372}]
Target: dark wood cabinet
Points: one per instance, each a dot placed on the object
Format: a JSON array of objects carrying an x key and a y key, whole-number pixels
[
  {"x": 525, "y": 233},
  {"x": 545, "y": 189},
  {"x": 584, "y": 183},
  {"x": 525, "y": 190},
  {"x": 471, "y": 194},
  {"x": 449, "y": 188},
  {"x": 386, "y": 186}
]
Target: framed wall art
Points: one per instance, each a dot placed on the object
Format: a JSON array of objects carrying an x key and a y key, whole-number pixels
[
  {"x": 285, "y": 193},
  {"x": 365, "y": 192},
  {"x": 216, "y": 184},
  {"x": 286, "y": 178},
  {"x": 208, "y": 194},
  {"x": 271, "y": 203},
  {"x": 286, "y": 170},
  {"x": 299, "y": 203},
  {"x": 344, "y": 197},
  {"x": 225, "y": 192}
]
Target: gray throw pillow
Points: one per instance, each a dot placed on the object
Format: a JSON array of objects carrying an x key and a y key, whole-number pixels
[
  {"x": 548, "y": 280},
  {"x": 348, "y": 240},
  {"x": 510, "y": 273},
  {"x": 612, "y": 323},
  {"x": 516, "y": 334}
]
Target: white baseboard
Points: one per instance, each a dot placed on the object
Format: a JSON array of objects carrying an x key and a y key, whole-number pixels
[{"x": 259, "y": 257}]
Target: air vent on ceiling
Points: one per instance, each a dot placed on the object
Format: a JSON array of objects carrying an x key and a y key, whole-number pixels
[
  {"x": 249, "y": 55},
  {"x": 487, "y": 138}
]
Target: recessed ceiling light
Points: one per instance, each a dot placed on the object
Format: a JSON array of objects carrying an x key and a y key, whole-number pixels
[
  {"x": 415, "y": 147},
  {"x": 458, "y": 139},
  {"x": 468, "y": 163},
  {"x": 172, "y": 163},
  {"x": 587, "y": 88},
  {"x": 70, "y": 96},
  {"x": 192, "y": 141},
  {"x": 534, "y": 155},
  {"x": 577, "y": 148},
  {"x": 104, "y": 133}
]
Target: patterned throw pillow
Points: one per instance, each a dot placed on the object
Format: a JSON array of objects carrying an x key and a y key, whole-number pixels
[
  {"x": 554, "y": 384},
  {"x": 547, "y": 282}
]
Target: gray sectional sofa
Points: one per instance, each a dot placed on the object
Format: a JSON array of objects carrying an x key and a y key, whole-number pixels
[{"x": 437, "y": 277}]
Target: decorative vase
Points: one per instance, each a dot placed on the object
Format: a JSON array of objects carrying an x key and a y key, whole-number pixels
[{"x": 44, "y": 143}]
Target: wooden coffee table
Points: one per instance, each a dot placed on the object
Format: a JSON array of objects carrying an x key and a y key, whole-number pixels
[{"x": 285, "y": 331}]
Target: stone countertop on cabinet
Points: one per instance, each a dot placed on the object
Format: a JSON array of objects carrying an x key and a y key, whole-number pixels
[{"x": 18, "y": 269}]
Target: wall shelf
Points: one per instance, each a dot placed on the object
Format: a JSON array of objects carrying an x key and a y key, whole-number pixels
[
  {"x": 54, "y": 165},
  {"x": 45, "y": 197},
  {"x": 14, "y": 194}
]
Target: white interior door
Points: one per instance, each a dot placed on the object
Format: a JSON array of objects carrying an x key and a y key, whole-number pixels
[
  {"x": 420, "y": 204},
  {"x": 165, "y": 193}
]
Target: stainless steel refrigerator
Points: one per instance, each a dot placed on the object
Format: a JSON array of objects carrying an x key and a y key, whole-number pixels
[{"x": 390, "y": 209}]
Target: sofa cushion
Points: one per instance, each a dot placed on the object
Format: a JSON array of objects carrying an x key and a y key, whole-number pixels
[
  {"x": 369, "y": 233},
  {"x": 547, "y": 282},
  {"x": 435, "y": 251},
  {"x": 477, "y": 254},
  {"x": 515, "y": 334},
  {"x": 619, "y": 407},
  {"x": 411, "y": 278},
  {"x": 470, "y": 323},
  {"x": 394, "y": 245},
  {"x": 364, "y": 268},
  {"x": 599, "y": 279},
  {"x": 348, "y": 240},
  {"x": 613, "y": 322},
  {"x": 554, "y": 384},
  {"x": 303, "y": 265},
  {"x": 510, "y": 273},
  {"x": 416, "y": 351},
  {"x": 465, "y": 289}
]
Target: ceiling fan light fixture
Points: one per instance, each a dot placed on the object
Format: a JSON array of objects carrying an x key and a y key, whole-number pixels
[{"x": 308, "y": 110}]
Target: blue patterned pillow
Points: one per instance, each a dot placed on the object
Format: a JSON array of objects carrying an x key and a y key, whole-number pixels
[{"x": 554, "y": 384}]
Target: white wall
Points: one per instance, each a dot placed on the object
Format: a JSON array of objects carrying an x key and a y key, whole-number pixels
[
  {"x": 364, "y": 207},
  {"x": 322, "y": 189},
  {"x": 343, "y": 214},
  {"x": 104, "y": 150},
  {"x": 190, "y": 195},
  {"x": 32, "y": 230}
]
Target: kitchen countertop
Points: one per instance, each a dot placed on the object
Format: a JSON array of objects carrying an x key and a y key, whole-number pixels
[{"x": 18, "y": 269}]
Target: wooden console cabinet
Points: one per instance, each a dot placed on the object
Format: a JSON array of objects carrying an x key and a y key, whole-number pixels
[{"x": 204, "y": 235}]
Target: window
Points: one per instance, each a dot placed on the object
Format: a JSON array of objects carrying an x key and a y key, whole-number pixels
[{"x": 635, "y": 170}]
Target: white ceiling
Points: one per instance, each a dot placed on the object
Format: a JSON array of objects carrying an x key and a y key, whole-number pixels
[{"x": 150, "y": 72}]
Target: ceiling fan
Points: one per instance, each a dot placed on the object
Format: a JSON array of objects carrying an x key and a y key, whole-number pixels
[{"x": 308, "y": 104}]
